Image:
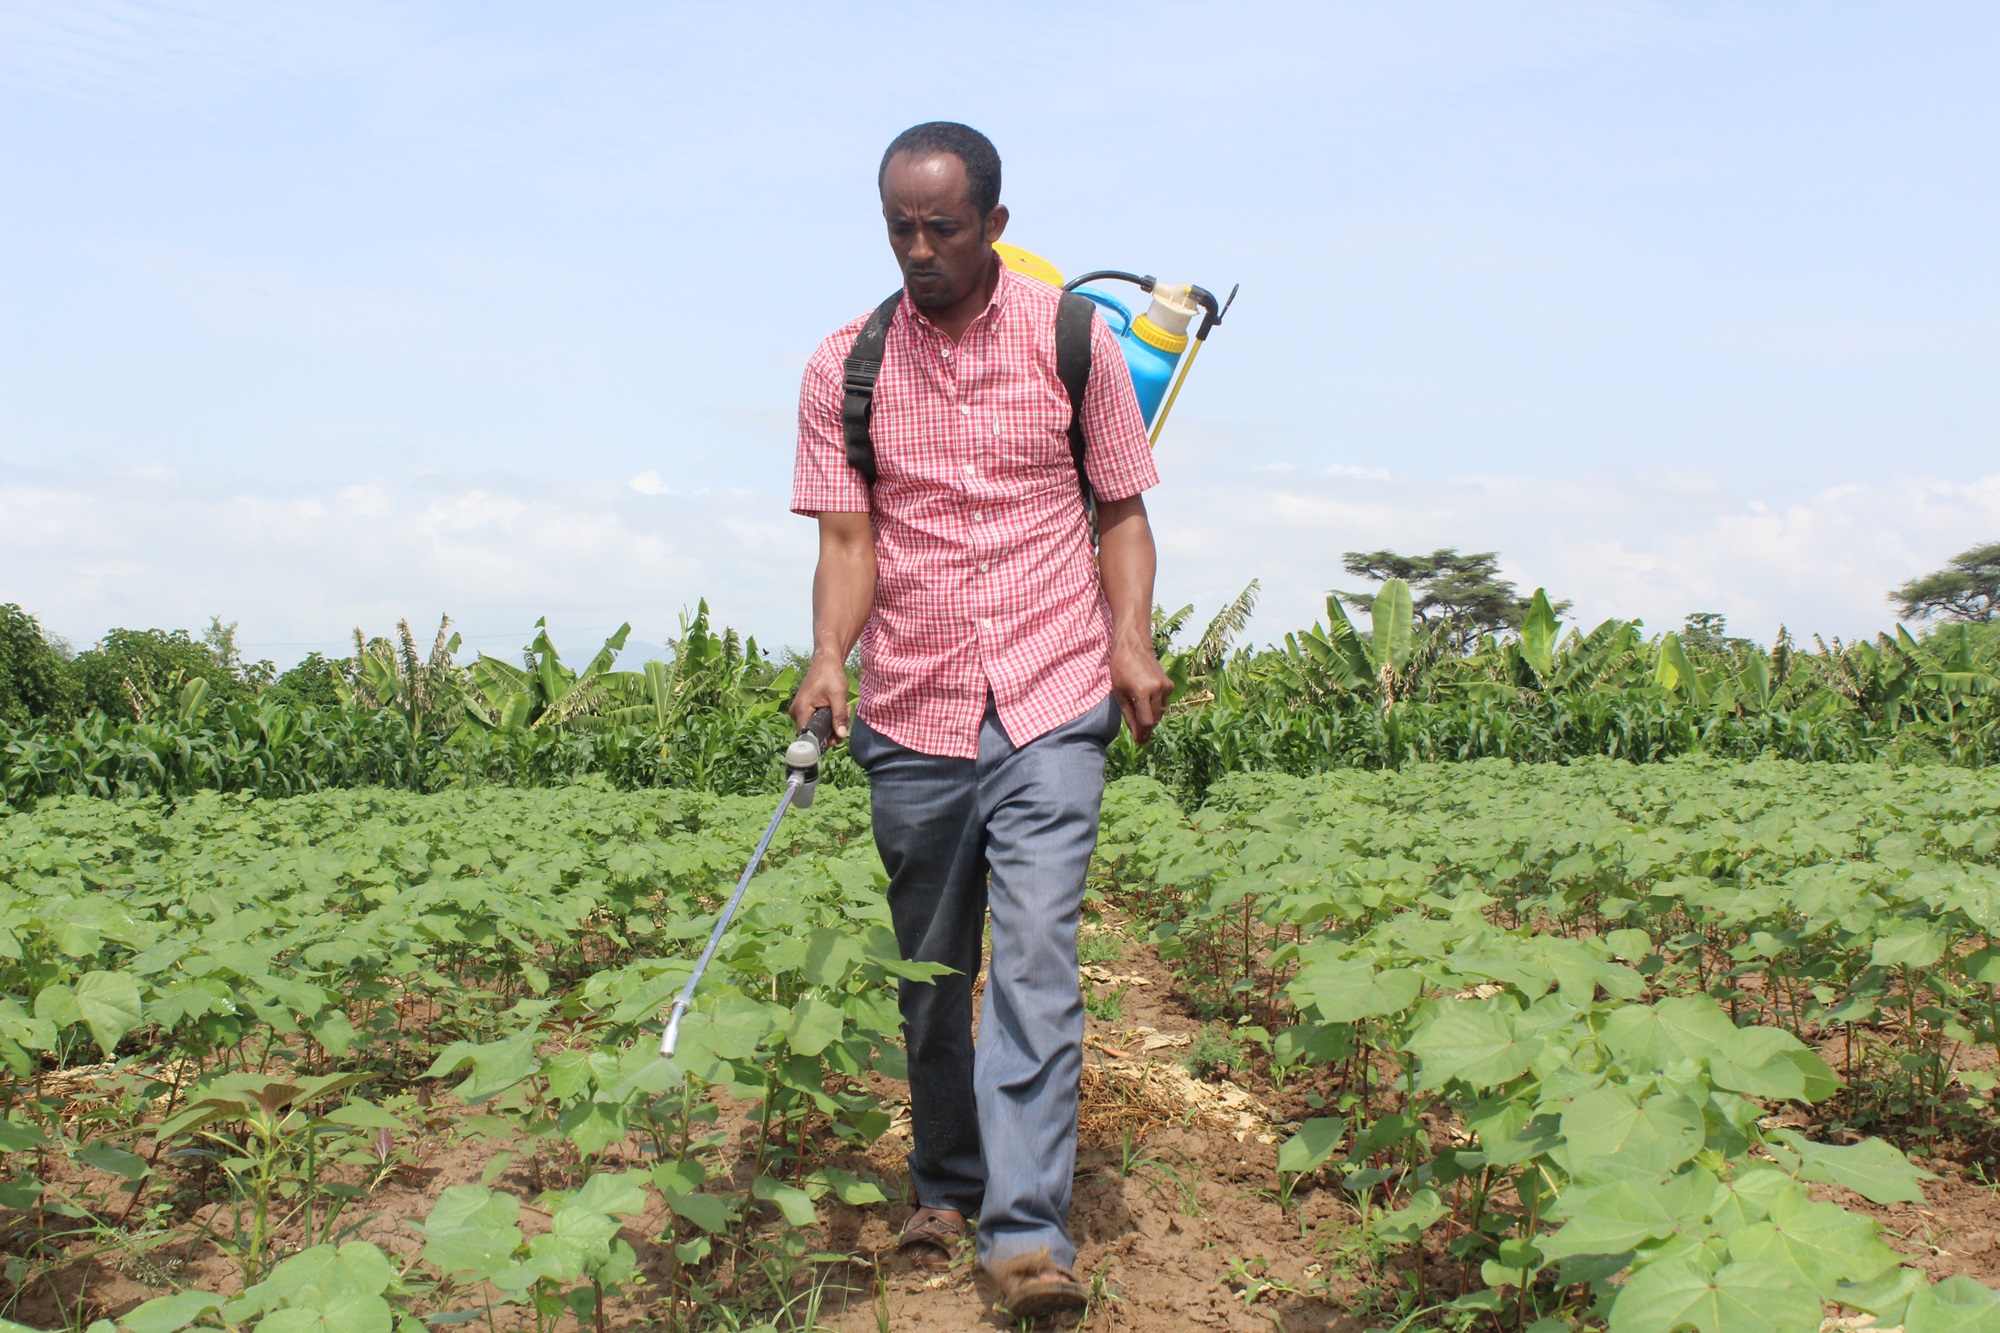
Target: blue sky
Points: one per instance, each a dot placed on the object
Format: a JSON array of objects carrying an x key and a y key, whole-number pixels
[{"x": 328, "y": 314}]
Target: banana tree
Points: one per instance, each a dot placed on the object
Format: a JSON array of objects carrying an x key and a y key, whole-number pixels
[
  {"x": 1385, "y": 667},
  {"x": 385, "y": 675},
  {"x": 542, "y": 692},
  {"x": 1200, "y": 672},
  {"x": 1949, "y": 661},
  {"x": 720, "y": 674},
  {"x": 1536, "y": 662}
]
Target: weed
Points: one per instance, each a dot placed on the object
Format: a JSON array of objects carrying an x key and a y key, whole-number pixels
[
  {"x": 1252, "y": 1279},
  {"x": 1098, "y": 944},
  {"x": 1102, "y": 1007},
  {"x": 1131, "y": 1156},
  {"x": 1215, "y": 1051},
  {"x": 1102, "y": 1294},
  {"x": 1184, "y": 1180}
]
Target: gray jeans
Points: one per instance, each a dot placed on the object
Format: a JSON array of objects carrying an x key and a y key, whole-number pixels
[{"x": 994, "y": 1129}]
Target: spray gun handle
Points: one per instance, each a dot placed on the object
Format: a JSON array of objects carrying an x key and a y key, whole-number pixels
[
  {"x": 820, "y": 727},
  {"x": 803, "y": 755}
]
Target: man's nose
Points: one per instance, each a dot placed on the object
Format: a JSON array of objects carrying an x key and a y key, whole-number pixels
[{"x": 920, "y": 244}]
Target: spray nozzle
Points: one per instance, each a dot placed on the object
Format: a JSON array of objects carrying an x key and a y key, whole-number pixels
[{"x": 802, "y": 756}]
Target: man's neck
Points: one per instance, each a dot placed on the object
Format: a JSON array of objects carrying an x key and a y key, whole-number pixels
[{"x": 956, "y": 318}]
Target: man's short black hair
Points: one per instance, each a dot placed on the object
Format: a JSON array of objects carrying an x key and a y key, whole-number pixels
[{"x": 975, "y": 150}]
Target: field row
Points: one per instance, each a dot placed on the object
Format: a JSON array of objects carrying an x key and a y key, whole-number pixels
[{"x": 1581, "y": 1045}]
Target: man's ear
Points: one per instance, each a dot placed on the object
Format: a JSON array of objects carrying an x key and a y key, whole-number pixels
[{"x": 996, "y": 222}]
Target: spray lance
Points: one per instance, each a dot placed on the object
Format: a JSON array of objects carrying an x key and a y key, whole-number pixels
[{"x": 802, "y": 758}]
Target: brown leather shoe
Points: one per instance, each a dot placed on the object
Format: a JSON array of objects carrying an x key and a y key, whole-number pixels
[
  {"x": 932, "y": 1237},
  {"x": 1032, "y": 1285}
]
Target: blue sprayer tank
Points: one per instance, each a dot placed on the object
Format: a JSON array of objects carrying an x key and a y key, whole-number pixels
[{"x": 1153, "y": 342}]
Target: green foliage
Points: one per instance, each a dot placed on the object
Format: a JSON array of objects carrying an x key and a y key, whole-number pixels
[
  {"x": 426, "y": 690},
  {"x": 541, "y": 692},
  {"x": 1605, "y": 978},
  {"x": 1332, "y": 698},
  {"x": 36, "y": 679},
  {"x": 137, "y": 673},
  {"x": 1610, "y": 976},
  {"x": 314, "y": 682},
  {"x": 711, "y": 676},
  {"x": 1197, "y": 670},
  {"x": 711, "y": 719},
  {"x": 279, "y": 946},
  {"x": 1967, "y": 588},
  {"x": 274, "y": 750},
  {"x": 1213, "y": 1053},
  {"x": 1461, "y": 596}
]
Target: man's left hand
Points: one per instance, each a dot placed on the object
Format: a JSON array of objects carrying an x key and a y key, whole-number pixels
[{"x": 1141, "y": 686}]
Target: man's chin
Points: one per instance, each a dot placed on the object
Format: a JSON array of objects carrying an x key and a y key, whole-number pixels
[{"x": 934, "y": 299}]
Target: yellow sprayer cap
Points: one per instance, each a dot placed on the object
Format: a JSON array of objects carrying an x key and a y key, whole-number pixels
[
  {"x": 1164, "y": 325},
  {"x": 1032, "y": 265}
]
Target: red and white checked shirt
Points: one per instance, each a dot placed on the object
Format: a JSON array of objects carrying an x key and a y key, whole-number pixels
[{"x": 985, "y": 580}]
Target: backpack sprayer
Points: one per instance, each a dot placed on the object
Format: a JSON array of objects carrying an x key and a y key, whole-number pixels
[{"x": 1152, "y": 344}]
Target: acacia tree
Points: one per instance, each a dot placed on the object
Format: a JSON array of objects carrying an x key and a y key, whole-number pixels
[
  {"x": 1968, "y": 588},
  {"x": 1461, "y": 595}
]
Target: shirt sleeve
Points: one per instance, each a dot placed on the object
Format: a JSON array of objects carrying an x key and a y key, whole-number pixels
[
  {"x": 822, "y": 482},
  {"x": 1115, "y": 451}
]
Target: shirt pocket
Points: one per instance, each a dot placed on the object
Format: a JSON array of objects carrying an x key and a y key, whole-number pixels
[{"x": 1030, "y": 434}]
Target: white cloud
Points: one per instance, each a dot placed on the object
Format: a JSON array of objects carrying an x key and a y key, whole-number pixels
[
  {"x": 300, "y": 566},
  {"x": 1657, "y": 546}
]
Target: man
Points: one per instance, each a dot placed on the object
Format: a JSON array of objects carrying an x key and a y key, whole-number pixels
[{"x": 996, "y": 661}]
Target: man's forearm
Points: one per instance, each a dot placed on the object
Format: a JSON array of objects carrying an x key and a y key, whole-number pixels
[
  {"x": 843, "y": 596},
  {"x": 1126, "y": 562},
  {"x": 843, "y": 584}
]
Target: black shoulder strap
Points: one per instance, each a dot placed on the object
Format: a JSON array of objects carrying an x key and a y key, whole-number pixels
[
  {"x": 862, "y": 368},
  {"x": 1073, "y": 317}
]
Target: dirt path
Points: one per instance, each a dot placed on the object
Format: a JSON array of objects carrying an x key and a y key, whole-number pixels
[{"x": 1174, "y": 1213}]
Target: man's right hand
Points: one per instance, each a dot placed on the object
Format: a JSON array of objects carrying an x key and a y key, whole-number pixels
[{"x": 825, "y": 686}]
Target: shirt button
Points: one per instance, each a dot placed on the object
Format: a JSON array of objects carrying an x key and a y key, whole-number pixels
[
  {"x": 982, "y": 566},
  {"x": 978, "y": 516},
  {"x": 985, "y": 623},
  {"x": 970, "y": 470},
  {"x": 964, "y": 411}
]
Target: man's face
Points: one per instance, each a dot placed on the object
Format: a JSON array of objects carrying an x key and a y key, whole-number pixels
[{"x": 945, "y": 248}]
